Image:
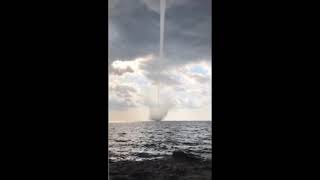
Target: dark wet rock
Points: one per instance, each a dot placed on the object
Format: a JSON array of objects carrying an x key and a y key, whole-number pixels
[
  {"x": 168, "y": 168},
  {"x": 142, "y": 176},
  {"x": 164, "y": 167},
  {"x": 180, "y": 155},
  {"x": 173, "y": 177},
  {"x": 119, "y": 177},
  {"x": 180, "y": 171}
]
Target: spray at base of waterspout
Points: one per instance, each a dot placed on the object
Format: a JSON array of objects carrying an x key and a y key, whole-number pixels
[{"x": 158, "y": 113}]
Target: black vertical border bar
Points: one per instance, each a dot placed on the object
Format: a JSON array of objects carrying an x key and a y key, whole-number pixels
[{"x": 218, "y": 44}]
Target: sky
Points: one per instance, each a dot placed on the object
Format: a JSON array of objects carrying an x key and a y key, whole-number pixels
[{"x": 134, "y": 65}]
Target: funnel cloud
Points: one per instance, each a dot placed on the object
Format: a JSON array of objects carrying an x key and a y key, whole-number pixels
[{"x": 158, "y": 111}]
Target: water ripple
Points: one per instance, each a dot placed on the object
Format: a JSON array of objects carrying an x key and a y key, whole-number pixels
[{"x": 149, "y": 140}]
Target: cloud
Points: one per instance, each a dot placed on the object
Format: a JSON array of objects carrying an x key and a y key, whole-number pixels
[
  {"x": 187, "y": 86},
  {"x": 134, "y": 35},
  {"x": 200, "y": 78},
  {"x": 123, "y": 96},
  {"x": 120, "y": 71},
  {"x": 135, "y": 25},
  {"x": 124, "y": 90},
  {"x": 154, "y": 5}
]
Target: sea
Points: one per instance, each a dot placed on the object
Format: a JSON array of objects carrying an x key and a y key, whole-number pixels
[{"x": 138, "y": 141}]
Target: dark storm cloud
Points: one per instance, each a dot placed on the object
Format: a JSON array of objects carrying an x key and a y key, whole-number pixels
[{"x": 134, "y": 27}]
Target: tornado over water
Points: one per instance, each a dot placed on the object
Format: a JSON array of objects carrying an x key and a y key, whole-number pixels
[{"x": 159, "y": 111}]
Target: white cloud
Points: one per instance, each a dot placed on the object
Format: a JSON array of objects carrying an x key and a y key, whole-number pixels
[
  {"x": 120, "y": 71},
  {"x": 183, "y": 85}
]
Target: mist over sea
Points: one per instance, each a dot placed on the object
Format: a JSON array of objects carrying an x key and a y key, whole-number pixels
[{"x": 137, "y": 141}]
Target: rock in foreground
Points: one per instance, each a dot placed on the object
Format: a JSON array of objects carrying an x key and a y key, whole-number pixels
[{"x": 179, "y": 166}]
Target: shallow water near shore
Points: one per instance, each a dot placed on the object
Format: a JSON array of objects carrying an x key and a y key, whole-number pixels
[{"x": 138, "y": 141}]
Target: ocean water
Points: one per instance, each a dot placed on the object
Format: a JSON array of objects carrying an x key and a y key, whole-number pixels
[{"x": 151, "y": 140}]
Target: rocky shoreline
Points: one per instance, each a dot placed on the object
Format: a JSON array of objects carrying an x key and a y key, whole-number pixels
[{"x": 178, "y": 166}]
